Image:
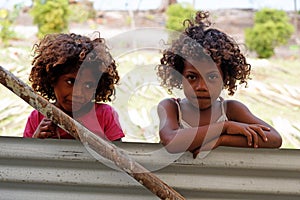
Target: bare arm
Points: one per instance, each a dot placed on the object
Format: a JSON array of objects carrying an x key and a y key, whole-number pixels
[
  {"x": 251, "y": 131},
  {"x": 238, "y": 112},
  {"x": 176, "y": 139}
]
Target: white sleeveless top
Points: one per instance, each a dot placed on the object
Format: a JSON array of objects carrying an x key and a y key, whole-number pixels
[{"x": 184, "y": 124}]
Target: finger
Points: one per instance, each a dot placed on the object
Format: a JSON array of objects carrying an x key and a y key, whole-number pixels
[
  {"x": 47, "y": 120},
  {"x": 44, "y": 125},
  {"x": 49, "y": 134},
  {"x": 254, "y": 136},
  {"x": 48, "y": 126},
  {"x": 44, "y": 128},
  {"x": 39, "y": 135},
  {"x": 263, "y": 134},
  {"x": 43, "y": 134},
  {"x": 260, "y": 131},
  {"x": 51, "y": 128},
  {"x": 249, "y": 137},
  {"x": 266, "y": 128}
]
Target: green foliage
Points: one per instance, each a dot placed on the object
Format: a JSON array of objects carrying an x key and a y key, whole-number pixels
[
  {"x": 51, "y": 16},
  {"x": 271, "y": 29},
  {"x": 6, "y": 32},
  {"x": 176, "y": 14},
  {"x": 82, "y": 11},
  {"x": 7, "y": 19}
]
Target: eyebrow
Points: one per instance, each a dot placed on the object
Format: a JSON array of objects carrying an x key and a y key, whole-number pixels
[
  {"x": 68, "y": 75},
  {"x": 190, "y": 71},
  {"x": 215, "y": 71},
  {"x": 198, "y": 72}
]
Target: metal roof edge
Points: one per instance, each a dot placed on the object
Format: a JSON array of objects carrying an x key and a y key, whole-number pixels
[{"x": 65, "y": 169}]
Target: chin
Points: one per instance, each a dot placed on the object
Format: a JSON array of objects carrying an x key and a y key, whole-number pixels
[{"x": 203, "y": 107}]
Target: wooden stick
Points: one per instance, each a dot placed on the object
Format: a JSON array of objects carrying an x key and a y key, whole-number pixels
[{"x": 99, "y": 145}]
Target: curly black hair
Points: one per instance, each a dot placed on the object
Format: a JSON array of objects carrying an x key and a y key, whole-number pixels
[
  {"x": 197, "y": 41},
  {"x": 58, "y": 54}
]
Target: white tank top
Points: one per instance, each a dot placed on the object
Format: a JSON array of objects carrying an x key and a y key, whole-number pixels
[{"x": 184, "y": 124}]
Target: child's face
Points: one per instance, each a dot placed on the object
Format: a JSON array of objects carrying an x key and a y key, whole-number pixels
[
  {"x": 75, "y": 90},
  {"x": 202, "y": 83}
]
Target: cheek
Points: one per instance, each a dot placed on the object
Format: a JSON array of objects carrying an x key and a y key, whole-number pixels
[
  {"x": 186, "y": 86},
  {"x": 215, "y": 88},
  {"x": 89, "y": 94}
]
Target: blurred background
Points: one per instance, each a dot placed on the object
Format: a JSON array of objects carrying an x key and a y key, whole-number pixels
[{"x": 267, "y": 31}]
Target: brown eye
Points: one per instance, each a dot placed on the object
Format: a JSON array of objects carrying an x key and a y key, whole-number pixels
[
  {"x": 212, "y": 77},
  {"x": 191, "y": 77},
  {"x": 70, "y": 81},
  {"x": 89, "y": 85}
]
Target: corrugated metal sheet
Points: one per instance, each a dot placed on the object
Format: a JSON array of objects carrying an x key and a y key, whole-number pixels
[{"x": 64, "y": 169}]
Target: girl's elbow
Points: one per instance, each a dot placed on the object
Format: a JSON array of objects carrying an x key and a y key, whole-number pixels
[
  {"x": 276, "y": 141},
  {"x": 170, "y": 145}
]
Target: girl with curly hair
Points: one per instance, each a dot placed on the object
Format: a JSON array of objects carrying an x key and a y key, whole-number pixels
[
  {"x": 77, "y": 74},
  {"x": 203, "y": 61}
]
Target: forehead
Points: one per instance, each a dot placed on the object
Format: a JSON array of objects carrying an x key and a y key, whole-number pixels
[
  {"x": 82, "y": 73},
  {"x": 201, "y": 66}
]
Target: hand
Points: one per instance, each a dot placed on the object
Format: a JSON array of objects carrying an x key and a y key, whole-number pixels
[
  {"x": 46, "y": 129},
  {"x": 251, "y": 131}
]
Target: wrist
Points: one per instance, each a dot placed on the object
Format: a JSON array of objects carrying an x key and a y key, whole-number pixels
[
  {"x": 225, "y": 127},
  {"x": 220, "y": 140}
]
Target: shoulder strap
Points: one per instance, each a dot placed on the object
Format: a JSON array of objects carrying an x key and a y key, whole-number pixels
[
  {"x": 223, "y": 113},
  {"x": 179, "y": 110}
]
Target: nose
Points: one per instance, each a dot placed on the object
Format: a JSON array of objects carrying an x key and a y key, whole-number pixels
[
  {"x": 77, "y": 92},
  {"x": 201, "y": 85}
]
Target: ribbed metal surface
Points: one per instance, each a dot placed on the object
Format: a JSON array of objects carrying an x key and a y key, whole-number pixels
[{"x": 64, "y": 169}]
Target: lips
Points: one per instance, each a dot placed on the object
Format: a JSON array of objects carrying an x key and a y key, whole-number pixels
[{"x": 203, "y": 97}]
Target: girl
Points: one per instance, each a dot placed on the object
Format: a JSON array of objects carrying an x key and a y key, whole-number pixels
[
  {"x": 203, "y": 61},
  {"x": 75, "y": 73}
]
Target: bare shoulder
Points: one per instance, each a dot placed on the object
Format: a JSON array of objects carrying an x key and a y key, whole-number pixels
[
  {"x": 167, "y": 106},
  {"x": 167, "y": 102},
  {"x": 234, "y": 104},
  {"x": 236, "y": 109}
]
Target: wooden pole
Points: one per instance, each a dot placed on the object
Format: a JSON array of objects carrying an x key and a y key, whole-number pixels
[{"x": 99, "y": 145}]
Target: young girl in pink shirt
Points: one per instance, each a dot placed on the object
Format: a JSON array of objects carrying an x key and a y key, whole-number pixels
[{"x": 78, "y": 75}]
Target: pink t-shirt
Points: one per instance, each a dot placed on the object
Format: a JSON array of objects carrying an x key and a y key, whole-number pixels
[{"x": 102, "y": 118}]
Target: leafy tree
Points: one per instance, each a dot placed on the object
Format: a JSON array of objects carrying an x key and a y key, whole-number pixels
[
  {"x": 271, "y": 29},
  {"x": 7, "y": 19},
  {"x": 176, "y": 14},
  {"x": 51, "y": 16},
  {"x": 82, "y": 11}
]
